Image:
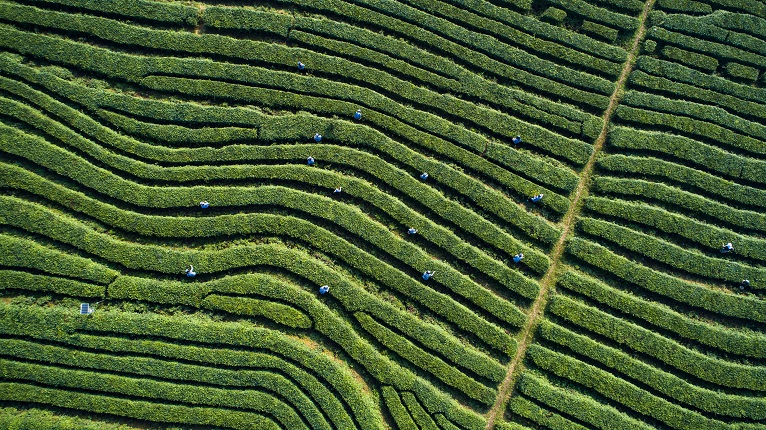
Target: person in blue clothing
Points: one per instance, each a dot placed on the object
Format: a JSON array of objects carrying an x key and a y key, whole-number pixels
[
  {"x": 358, "y": 114},
  {"x": 536, "y": 198},
  {"x": 427, "y": 275},
  {"x": 317, "y": 137},
  {"x": 337, "y": 190},
  {"x": 310, "y": 161},
  {"x": 424, "y": 176},
  {"x": 301, "y": 66},
  {"x": 726, "y": 248},
  {"x": 517, "y": 140},
  {"x": 204, "y": 204},
  {"x": 324, "y": 289},
  {"x": 518, "y": 257},
  {"x": 412, "y": 230},
  {"x": 190, "y": 273},
  {"x": 744, "y": 284}
]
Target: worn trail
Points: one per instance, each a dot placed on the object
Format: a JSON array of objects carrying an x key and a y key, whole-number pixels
[{"x": 538, "y": 306}]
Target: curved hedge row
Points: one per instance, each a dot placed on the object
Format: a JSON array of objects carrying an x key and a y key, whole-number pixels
[
  {"x": 708, "y": 113},
  {"x": 24, "y": 253},
  {"x": 231, "y": 386},
  {"x": 168, "y": 261},
  {"x": 701, "y": 154},
  {"x": 123, "y": 331},
  {"x": 428, "y": 335},
  {"x": 744, "y": 307},
  {"x": 397, "y": 410},
  {"x": 639, "y": 339},
  {"x": 689, "y": 126},
  {"x": 706, "y": 235},
  {"x": 576, "y": 405},
  {"x": 45, "y": 327},
  {"x": 541, "y": 170},
  {"x": 650, "y": 166},
  {"x": 749, "y": 220},
  {"x": 673, "y": 255},
  {"x": 658, "y": 380},
  {"x": 139, "y": 68},
  {"x": 521, "y": 406},
  {"x": 351, "y": 220},
  {"x": 422, "y": 359},
  {"x": 487, "y": 198},
  {"x": 29, "y": 419},
  {"x": 620, "y": 391},
  {"x": 137, "y": 409},
  {"x": 739, "y": 341},
  {"x": 14, "y": 279},
  {"x": 421, "y": 417}
]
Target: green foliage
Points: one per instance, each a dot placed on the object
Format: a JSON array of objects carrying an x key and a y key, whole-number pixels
[
  {"x": 31, "y": 419},
  {"x": 683, "y": 291},
  {"x": 692, "y": 59},
  {"x": 704, "y": 112},
  {"x": 13, "y": 279},
  {"x": 521, "y": 406},
  {"x": 420, "y": 416},
  {"x": 425, "y": 361},
  {"x": 607, "y": 33},
  {"x": 553, "y": 15},
  {"x": 738, "y": 71},
  {"x": 684, "y": 6},
  {"x": 710, "y": 369},
  {"x": 247, "y": 382},
  {"x": 396, "y": 408},
  {"x": 740, "y": 342},
  {"x": 692, "y": 84},
  {"x": 597, "y": 14},
  {"x": 574, "y": 404},
  {"x": 706, "y": 235},
  {"x": 708, "y": 156},
  {"x": 745, "y": 219},
  {"x": 138, "y": 409},
  {"x": 617, "y": 389},
  {"x": 715, "y": 49},
  {"x": 160, "y": 11},
  {"x": 191, "y": 339}
]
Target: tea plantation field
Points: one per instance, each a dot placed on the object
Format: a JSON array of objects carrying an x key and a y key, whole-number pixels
[{"x": 277, "y": 147}]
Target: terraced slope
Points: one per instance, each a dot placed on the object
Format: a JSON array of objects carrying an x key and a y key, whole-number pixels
[
  {"x": 648, "y": 327},
  {"x": 117, "y": 119}
]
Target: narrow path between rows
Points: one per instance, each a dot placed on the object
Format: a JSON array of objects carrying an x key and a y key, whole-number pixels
[{"x": 527, "y": 332}]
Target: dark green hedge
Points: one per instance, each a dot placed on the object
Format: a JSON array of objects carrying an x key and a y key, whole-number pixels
[
  {"x": 706, "y": 235},
  {"x": 740, "y": 341},
  {"x": 711, "y": 369},
  {"x": 668, "y": 384},
  {"x": 576, "y": 405},
  {"x": 745, "y": 219},
  {"x": 696, "y": 295},
  {"x": 702, "y": 154}
]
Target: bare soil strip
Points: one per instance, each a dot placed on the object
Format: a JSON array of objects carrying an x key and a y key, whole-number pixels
[{"x": 536, "y": 312}]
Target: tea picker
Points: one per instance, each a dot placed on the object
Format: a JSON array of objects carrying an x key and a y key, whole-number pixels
[
  {"x": 358, "y": 114},
  {"x": 190, "y": 273},
  {"x": 424, "y": 176},
  {"x": 310, "y": 161},
  {"x": 726, "y": 248},
  {"x": 412, "y": 230},
  {"x": 204, "y": 204},
  {"x": 518, "y": 257},
  {"x": 317, "y": 137},
  {"x": 427, "y": 275},
  {"x": 324, "y": 289},
  {"x": 536, "y": 198},
  {"x": 516, "y": 140}
]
